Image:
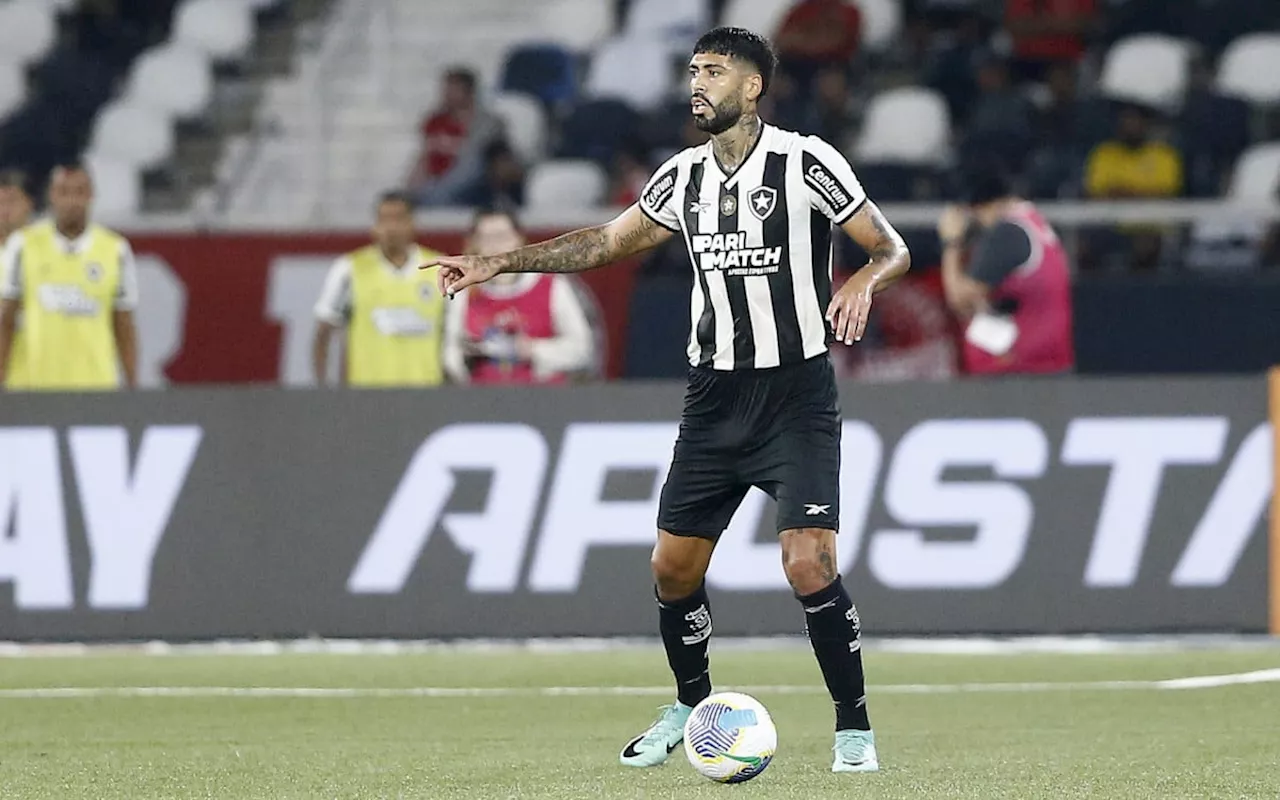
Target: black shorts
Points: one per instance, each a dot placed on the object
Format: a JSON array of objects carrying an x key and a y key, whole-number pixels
[{"x": 777, "y": 429}]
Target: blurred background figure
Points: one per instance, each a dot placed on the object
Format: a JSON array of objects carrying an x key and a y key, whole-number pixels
[
  {"x": 815, "y": 34},
  {"x": 392, "y": 312},
  {"x": 455, "y": 138},
  {"x": 16, "y": 209},
  {"x": 502, "y": 181},
  {"x": 518, "y": 327},
  {"x": 75, "y": 284},
  {"x": 1134, "y": 164},
  {"x": 1007, "y": 277}
]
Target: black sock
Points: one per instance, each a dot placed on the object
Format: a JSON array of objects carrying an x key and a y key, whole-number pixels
[
  {"x": 834, "y": 632},
  {"x": 686, "y": 628}
]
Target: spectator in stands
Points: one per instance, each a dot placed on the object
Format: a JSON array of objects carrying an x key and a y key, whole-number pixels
[
  {"x": 454, "y": 137},
  {"x": 392, "y": 312},
  {"x": 1014, "y": 294},
  {"x": 1133, "y": 165},
  {"x": 815, "y": 34},
  {"x": 518, "y": 328},
  {"x": 1000, "y": 122},
  {"x": 1055, "y": 164},
  {"x": 835, "y": 106},
  {"x": 630, "y": 173},
  {"x": 76, "y": 285},
  {"x": 501, "y": 184},
  {"x": 1046, "y": 32},
  {"x": 949, "y": 66}
]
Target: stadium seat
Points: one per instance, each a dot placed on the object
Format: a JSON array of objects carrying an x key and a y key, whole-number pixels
[
  {"x": 597, "y": 128},
  {"x": 139, "y": 136},
  {"x": 27, "y": 30},
  {"x": 223, "y": 29},
  {"x": 578, "y": 24},
  {"x": 174, "y": 79},
  {"x": 1257, "y": 174},
  {"x": 909, "y": 126},
  {"x": 525, "y": 123},
  {"x": 545, "y": 71},
  {"x": 13, "y": 89},
  {"x": 571, "y": 183},
  {"x": 1150, "y": 69},
  {"x": 117, "y": 187},
  {"x": 638, "y": 70},
  {"x": 881, "y": 22},
  {"x": 1250, "y": 69},
  {"x": 674, "y": 18},
  {"x": 763, "y": 16}
]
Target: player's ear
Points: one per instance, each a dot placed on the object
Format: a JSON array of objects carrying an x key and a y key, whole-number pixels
[{"x": 755, "y": 86}]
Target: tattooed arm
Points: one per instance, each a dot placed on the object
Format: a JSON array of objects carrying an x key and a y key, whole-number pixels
[
  {"x": 889, "y": 261},
  {"x": 631, "y": 232}
]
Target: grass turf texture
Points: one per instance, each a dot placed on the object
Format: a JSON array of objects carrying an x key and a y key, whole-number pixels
[{"x": 1119, "y": 743}]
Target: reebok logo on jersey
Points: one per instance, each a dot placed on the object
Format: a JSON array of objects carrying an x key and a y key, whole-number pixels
[
  {"x": 660, "y": 191},
  {"x": 728, "y": 251}
]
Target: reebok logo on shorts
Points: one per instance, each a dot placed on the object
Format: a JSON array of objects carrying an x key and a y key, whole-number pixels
[{"x": 815, "y": 510}]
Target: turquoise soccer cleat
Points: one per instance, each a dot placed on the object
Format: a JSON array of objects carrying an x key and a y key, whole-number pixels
[
  {"x": 855, "y": 752},
  {"x": 652, "y": 747}
]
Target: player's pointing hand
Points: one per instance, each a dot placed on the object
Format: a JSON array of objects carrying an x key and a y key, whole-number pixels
[{"x": 459, "y": 272}]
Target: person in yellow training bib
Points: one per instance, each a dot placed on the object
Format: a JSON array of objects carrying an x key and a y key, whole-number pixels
[
  {"x": 15, "y": 213},
  {"x": 77, "y": 286},
  {"x": 393, "y": 312}
]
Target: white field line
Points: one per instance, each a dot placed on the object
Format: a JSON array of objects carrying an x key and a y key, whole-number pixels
[{"x": 88, "y": 692}]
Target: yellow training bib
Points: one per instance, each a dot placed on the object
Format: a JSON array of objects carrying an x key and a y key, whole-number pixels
[{"x": 397, "y": 323}]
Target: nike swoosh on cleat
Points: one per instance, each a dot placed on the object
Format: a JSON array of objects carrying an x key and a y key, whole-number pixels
[
  {"x": 630, "y": 750},
  {"x": 672, "y": 747}
]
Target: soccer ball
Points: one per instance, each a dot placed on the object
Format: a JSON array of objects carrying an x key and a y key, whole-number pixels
[{"x": 730, "y": 737}]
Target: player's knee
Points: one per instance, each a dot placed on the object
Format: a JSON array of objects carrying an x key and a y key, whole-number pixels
[
  {"x": 675, "y": 577},
  {"x": 807, "y": 571}
]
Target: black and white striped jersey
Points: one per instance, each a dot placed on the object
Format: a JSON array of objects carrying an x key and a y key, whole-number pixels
[{"x": 760, "y": 239}]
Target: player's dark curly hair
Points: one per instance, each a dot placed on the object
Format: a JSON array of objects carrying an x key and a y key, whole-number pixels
[{"x": 744, "y": 44}]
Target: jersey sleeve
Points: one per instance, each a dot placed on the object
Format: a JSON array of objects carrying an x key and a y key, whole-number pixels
[
  {"x": 127, "y": 292},
  {"x": 658, "y": 200},
  {"x": 334, "y": 305},
  {"x": 833, "y": 188},
  {"x": 11, "y": 268}
]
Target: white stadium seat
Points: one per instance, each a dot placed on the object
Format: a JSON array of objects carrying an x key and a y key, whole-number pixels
[
  {"x": 638, "y": 70},
  {"x": 139, "y": 136},
  {"x": 13, "y": 88},
  {"x": 1250, "y": 69},
  {"x": 668, "y": 17},
  {"x": 566, "y": 183},
  {"x": 1257, "y": 174},
  {"x": 27, "y": 30},
  {"x": 578, "y": 24},
  {"x": 761, "y": 16},
  {"x": 525, "y": 122},
  {"x": 881, "y": 22},
  {"x": 221, "y": 28},
  {"x": 905, "y": 126},
  {"x": 1151, "y": 69},
  {"x": 172, "y": 78},
  {"x": 117, "y": 187}
]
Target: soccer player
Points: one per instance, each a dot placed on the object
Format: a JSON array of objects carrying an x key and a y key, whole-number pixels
[
  {"x": 393, "y": 313},
  {"x": 755, "y": 206},
  {"x": 76, "y": 285},
  {"x": 15, "y": 213}
]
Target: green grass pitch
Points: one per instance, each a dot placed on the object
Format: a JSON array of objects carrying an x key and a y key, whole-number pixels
[{"x": 942, "y": 732}]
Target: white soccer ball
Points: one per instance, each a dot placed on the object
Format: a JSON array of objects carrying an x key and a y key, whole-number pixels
[{"x": 730, "y": 737}]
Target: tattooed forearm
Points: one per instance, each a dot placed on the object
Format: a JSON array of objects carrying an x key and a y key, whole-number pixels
[
  {"x": 576, "y": 251},
  {"x": 890, "y": 258}
]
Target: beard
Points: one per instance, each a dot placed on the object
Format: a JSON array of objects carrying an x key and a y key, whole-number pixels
[{"x": 723, "y": 117}]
